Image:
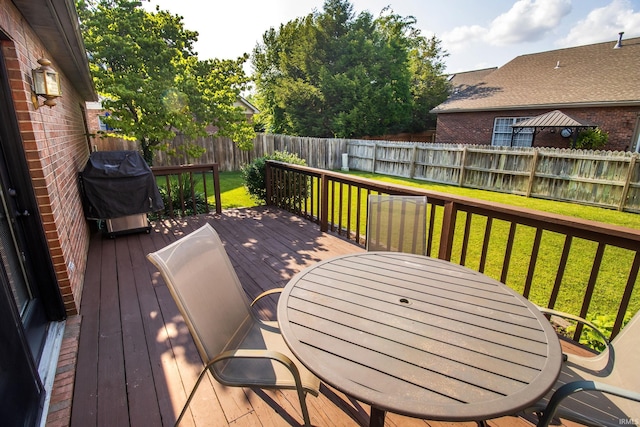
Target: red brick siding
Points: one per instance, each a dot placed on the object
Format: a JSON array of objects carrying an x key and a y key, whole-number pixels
[
  {"x": 477, "y": 127},
  {"x": 92, "y": 120},
  {"x": 56, "y": 149}
]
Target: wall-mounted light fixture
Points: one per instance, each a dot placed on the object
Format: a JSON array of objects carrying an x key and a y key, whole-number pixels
[{"x": 46, "y": 83}]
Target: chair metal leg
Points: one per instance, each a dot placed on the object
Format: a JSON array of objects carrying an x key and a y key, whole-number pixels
[
  {"x": 193, "y": 391},
  {"x": 302, "y": 395}
]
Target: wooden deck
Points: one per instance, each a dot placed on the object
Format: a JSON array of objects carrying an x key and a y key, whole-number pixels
[{"x": 136, "y": 361}]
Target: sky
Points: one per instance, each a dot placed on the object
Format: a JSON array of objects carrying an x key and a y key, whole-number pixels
[{"x": 476, "y": 34}]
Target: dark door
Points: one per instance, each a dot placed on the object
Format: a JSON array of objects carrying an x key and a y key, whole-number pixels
[
  {"x": 21, "y": 391},
  {"x": 29, "y": 296}
]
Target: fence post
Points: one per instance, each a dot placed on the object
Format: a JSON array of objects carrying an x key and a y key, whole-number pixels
[
  {"x": 463, "y": 161},
  {"x": 375, "y": 151},
  {"x": 412, "y": 168},
  {"x": 532, "y": 174},
  {"x": 448, "y": 229},
  {"x": 627, "y": 182},
  {"x": 324, "y": 203}
]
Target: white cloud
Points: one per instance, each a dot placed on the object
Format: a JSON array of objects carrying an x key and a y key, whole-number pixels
[
  {"x": 461, "y": 37},
  {"x": 604, "y": 24},
  {"x": 527, "y": 21}
]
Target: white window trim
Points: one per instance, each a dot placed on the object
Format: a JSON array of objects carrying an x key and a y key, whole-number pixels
[{"x": 528, "y": 132}]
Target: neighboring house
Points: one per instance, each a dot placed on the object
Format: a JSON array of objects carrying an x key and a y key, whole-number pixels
[
  {"x": 44, "y": 237},
  {"x": 593, "y": 85},
  {"x": 250, "y": 110}
]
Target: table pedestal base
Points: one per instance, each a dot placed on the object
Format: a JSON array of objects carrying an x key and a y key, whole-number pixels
[{"x": 377, "y": 417}]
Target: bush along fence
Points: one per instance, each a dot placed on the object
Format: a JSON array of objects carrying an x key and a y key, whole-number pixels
[{"x": 600, "y": 178}]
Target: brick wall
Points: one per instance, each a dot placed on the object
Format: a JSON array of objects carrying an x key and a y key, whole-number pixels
[
  {"x": 56, "y": 149},
  {"x": 477, "y": 127}
]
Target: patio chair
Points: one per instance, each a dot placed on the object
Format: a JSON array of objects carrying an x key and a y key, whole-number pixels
[
  {"x": 397, "y": 223},
  {"x": 603, "y": 390},
  {"x": 236, "y": 347}
]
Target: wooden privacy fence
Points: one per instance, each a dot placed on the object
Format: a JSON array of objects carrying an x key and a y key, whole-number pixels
[
  {"x": 601, "y": 178},
  {"x": 542, "y": 255},
  {"x": 318, "y": 152}
]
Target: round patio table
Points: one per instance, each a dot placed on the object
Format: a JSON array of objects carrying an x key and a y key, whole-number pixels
[{"x": 419, "y": 336}]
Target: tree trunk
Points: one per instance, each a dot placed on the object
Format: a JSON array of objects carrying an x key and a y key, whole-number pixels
[{"x": 147, "y": 152}]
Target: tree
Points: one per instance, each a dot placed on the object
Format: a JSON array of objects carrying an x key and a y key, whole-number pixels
[
  {"x": 152, "y": 82},
  {"x": 429, "y": 86},
  {"x": 335, "y": 74}
]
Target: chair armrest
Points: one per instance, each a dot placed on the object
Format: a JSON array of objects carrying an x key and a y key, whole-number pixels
[
  {"x": 602, "y": 362},
  {"x": 579, "y": 386},
  {"x": 265, "y": 293},
  {"x": 259, "y": 354},
  {"x": 578, "y": 319}
]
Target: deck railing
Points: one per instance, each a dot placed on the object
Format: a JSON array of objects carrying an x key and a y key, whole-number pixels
[
  {"x": 185, "y": 180},
  {"x": 506, "y": 242}
]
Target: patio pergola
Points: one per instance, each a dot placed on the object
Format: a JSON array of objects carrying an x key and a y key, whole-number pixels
[{"x": 555, "y": 119}]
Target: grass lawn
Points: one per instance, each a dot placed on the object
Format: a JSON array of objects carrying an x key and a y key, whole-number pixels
[
  {"x": 614, "y": 268},
  {"x": 608, "y": 216},
  {"x": 233, "y": 194},
  {"x": 615, "y": 265}
]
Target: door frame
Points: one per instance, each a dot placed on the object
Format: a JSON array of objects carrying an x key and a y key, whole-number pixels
[{"x": 38, "y": 263}]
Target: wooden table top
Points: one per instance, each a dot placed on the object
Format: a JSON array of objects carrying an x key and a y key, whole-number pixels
[{"x": 419, "y": 336}]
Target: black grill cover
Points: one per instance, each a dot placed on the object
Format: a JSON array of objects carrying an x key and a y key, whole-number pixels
[{"x": 119, "y": 183}]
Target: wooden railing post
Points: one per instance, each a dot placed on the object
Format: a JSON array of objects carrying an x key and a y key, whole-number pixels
[
  {"x": 269, "y": 183},
  {"x": 448, "y": 230},
  {"x": 216, "y": 187},
  {"x": 324, "y": 203}
]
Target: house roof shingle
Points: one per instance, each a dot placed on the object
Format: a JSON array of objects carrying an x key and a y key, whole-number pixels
[{"x": 588, "y": 75}]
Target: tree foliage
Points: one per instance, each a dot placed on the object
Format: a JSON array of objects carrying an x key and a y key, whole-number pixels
[
  {"x": 337, "y": 74},
  {"x": 144, "y": 66},
  {"x": 591, "y": 139},
  {"x": 255, "y": 177}
]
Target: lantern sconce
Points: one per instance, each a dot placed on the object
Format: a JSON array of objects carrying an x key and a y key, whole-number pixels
[{"x": 46, "y": 83}]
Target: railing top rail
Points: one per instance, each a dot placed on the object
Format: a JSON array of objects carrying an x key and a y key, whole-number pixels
[
  {"x": 592, "y": 230},
  {"x": 169, "y": 170}
]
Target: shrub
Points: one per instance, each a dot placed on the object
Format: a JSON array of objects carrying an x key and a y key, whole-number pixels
[
  {"x": 254, "y": 173},
  {"x": 173, "y": 200},
  {"x": 591, "y": 139}
]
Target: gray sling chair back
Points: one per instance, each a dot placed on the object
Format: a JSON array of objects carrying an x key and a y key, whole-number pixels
[
  {"x": 603, "y": 390},
  {"x": 236, "y": 347},
  {"x": 397, "y": 223}
]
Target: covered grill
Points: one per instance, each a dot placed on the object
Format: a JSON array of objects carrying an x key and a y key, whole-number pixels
[{"x": 119, "y": 187}]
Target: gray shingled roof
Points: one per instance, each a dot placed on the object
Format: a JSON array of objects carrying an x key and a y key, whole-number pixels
[{"x": 591, "y": 75}]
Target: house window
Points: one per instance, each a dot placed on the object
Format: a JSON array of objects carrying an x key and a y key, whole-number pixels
[
  {"x": 103, "y": 126},
  {"x": 502, "y": 133}
]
